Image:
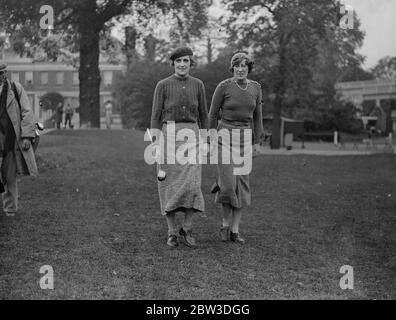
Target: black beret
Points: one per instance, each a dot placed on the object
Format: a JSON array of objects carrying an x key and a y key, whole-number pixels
[
  {"x": 181, "y": 52},
  {"x": 3, "y": 66}
]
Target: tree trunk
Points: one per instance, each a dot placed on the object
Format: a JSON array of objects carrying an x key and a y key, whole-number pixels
[
  {"x": 279, "y": 95},
  {"x": 89, "y": 73},
  {"x": 209, "y": 50},
  {"x": 130, "y": 46},
  {"x": 149, "y": 45}
]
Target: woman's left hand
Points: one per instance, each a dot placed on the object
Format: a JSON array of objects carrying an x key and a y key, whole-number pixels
[{"x": 26, "y": 143}]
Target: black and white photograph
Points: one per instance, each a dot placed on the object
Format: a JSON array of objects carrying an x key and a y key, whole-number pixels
[{"x": 200, "y": 153}]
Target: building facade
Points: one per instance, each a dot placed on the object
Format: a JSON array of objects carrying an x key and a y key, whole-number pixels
[
  {"x": 40, "y": 78},
  {"x": 376, "y": 100}
]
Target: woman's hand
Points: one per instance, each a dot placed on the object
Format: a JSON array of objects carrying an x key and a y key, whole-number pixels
[{"x": 26, "y": 144}]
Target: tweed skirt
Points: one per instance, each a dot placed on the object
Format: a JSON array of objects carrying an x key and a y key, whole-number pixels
[
  {"x": 182, "y": 187},
  {"x": 234, "y": 189}
]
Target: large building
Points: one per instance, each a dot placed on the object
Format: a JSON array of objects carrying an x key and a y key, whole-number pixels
[
  {"x": 40, "y": 78},
  {"x": 376, "y": 100}
]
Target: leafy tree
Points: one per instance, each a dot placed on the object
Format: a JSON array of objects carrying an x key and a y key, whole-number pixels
[
  {"x": 181, "y": 23},
  {"x": 135, "y": 90},
  {"x": 385, "y": 68},
  {"x": 287, "y": 37},
  {"x": 81, "y": 23},
  {"x": 213, "y": 73},
  {"x": 50, "y": 100},
  {"x": 356, "y": 73}
]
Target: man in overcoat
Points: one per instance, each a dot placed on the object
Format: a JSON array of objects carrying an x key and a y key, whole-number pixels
[{"x": 17, "y": 131}]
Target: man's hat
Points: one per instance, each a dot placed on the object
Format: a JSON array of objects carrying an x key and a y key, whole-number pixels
[
  {"x": 3, "y": 66},
  {"x": 181, "y": 52}
]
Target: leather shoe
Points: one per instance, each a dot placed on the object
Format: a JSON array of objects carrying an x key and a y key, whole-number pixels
[
  {"x": 172, "y": 241},
  {"x": 225, "y": 233},
  {"x": 188, "y": 238},
  {"x": 235, "y": 237}
]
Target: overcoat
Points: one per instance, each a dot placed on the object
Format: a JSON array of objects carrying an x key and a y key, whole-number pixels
[{"x": 24, "y": 124}]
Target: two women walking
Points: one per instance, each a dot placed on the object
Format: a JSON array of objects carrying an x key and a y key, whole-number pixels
[{"x": 180, "y": 101}]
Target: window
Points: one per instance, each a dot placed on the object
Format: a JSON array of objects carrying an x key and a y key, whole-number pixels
[
  {"x": 15, "y": 76},
  {"x": 107, "y": 78},
  {"x": 31, "y": 100},
  {"x": 44, "y": 78},
  {"x": 29, "y": 77},
  {"x": 75, "y": 79},
  {"x": 60, "y": 76}
]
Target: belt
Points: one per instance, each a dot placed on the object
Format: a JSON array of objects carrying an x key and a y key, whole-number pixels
[
  {"x": 172, "y": 121},
  {"x": 242, "y": 123}
]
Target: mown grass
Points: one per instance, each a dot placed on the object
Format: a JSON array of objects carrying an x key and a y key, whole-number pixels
[{"x": 93, "y": 215}]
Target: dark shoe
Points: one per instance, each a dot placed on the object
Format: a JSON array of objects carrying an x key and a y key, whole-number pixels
[
  {"x": 188, "y": 238},
  {"x": 225, "y": 233},
  {"x": 235, "y": 237},
  {"x": 172, "y": 241},
  {"x": 215, "y": 188}
]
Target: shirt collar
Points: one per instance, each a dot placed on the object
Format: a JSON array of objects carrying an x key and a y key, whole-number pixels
[{"x": 180, "y": 78}]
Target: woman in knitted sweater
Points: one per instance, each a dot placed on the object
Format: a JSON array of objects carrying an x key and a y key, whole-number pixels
[
  {"x": 240, "y": 102},
  {"x": 179, "y": 103}
]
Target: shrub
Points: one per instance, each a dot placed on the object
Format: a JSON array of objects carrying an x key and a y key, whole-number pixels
[
  {"x": 50, "y": 100},
  {"x": 135, "y": 90}
]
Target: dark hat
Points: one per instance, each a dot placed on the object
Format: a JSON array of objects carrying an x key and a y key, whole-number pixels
[
  {"x": 181, "y": 52},
  {"x": 3, "y": 66}
]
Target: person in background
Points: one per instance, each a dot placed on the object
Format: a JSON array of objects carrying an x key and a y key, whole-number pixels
[
  {"x": 69, "y": 115},
  {"x": 109, "y": 114},
  {"x": 17, "y": 131},
  {"x": 58, "y": 115}
]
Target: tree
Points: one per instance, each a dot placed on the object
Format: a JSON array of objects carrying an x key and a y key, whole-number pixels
[
  {"x": 286, "y": 36},
  {"x": 356, "y": 73},
  {"x": 135, "y": 90},
  {"x": 182, "y": 23},
  {"x": 50, "y": 100},
  {"x": 385, "y": 68},
  {"x": 81, "y": 22}
]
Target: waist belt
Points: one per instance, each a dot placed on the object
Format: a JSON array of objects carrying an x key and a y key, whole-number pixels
[
  {"x": 170, "y": 121},
  {"x": 242, "y": 123}
]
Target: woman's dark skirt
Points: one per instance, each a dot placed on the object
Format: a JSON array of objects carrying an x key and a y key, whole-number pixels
[{"x": 234, "y": 189}]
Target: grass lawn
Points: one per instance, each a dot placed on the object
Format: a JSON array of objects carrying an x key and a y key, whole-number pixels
[{"x": 93, "y": 215}]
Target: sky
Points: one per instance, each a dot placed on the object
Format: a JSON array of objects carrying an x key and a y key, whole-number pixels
[{"x": 378, "y": 20}]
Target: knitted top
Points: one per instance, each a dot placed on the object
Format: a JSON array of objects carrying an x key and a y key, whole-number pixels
[
  {"x": 180, "y": 100},
  {"x": 239, "y": 105}
]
